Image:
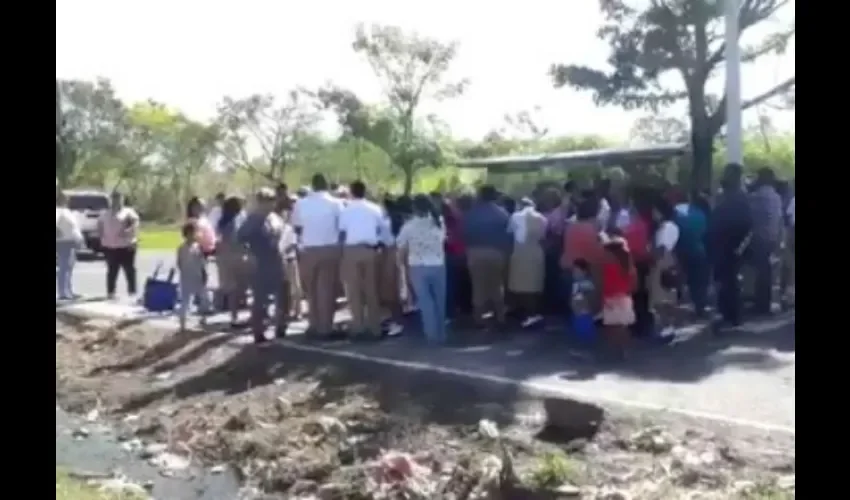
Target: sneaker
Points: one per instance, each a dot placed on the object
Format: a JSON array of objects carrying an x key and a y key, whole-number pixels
[
  {"x": 280, "y": 332},
  {"x": 667, "y": 335},
  {"x": 531, "y": 321},
  {"x": 394, "y": 329}
]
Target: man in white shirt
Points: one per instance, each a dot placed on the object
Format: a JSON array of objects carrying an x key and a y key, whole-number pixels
[
  {"x": 68, "y": 238},
  {"x": 316, "y": 221},
  {"x": 360, "y": 226}
]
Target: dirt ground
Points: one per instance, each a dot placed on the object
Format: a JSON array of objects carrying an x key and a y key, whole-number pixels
[{"x": 299, "y": 426}]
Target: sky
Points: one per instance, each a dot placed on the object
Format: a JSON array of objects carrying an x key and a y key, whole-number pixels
[{"x": 190, "y": 53}]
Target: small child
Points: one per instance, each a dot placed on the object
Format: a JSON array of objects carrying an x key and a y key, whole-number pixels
[
  {"x": 582, "y": 299},
  {"x": 619, "y": 279},
  {"x": 191, "y": 264}
]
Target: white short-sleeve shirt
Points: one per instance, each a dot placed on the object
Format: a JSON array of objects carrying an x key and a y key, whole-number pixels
[
  {"x": 667, "y": 236},
  {"x": 317, "y": 214},
  {"x": 361, "y": 221}
]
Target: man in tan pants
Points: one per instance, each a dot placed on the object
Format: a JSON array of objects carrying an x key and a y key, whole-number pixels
[
  {"x": 487, "y": 271},
  {"x": 485, "y": 231},
  {"x": 359, "y": 224},
  {"x": 316, "y": 220}
]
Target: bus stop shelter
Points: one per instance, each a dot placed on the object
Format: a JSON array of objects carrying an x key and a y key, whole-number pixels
[{"x": 623, "y": 157}]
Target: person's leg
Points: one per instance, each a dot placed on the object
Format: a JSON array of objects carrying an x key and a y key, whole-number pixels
[
  {"x": 259, "y": 307},
  {"x": 479, "y": 282},
  {"x": 112, "y": 268},
  {"x": 64, "y": 262},
  {"x": 309, "y": 280},
  {"x": 203, "y": 297},
  {"x": 185, "y": 304},
  {"x": 438, "y": 289},
  {"x": 369, "y": 281},
  {"x": 497, "y": 263},
  {"x": 128, "y": 264},
  {"x": 295, "y": 295},
  {"x": 565, "y": 289},
  {"x": 640, "y": 299},
  {"x": 350, "y": 270},
  {"x": 729, "y": 291},
  {"x": 420, "y": 282},
  {"x": 698, "y": 275},
  {"x": 327, "y": 287},
  {"x": 763, "y": 278},
  {"x": 790, "y": 264},
  {"x": 282, "y": 306},
  {"x": 451, "y": 286}
]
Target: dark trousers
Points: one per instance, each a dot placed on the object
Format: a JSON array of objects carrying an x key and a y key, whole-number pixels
[
  {"x": 729, "y": 289},
  {"x": 555, "y": 296},
  {"x": 698, "y": 278},
  {"x": 118, "y": 259},
  {"x": 759, "y": 258},
  {"x": 266, "y": 292},
  {"x": 458, "y": 286},
  {"x": 564, "y": 292},
  {"x": 644, "y": 320}
]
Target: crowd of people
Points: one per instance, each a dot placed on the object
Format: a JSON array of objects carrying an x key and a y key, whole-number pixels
[{"x": 626, "y": 256}]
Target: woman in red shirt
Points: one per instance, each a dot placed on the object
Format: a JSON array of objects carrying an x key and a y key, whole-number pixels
[
  {"x": 458, "y": 287},
  {"x": 637, "y": 235},
  {"x": 581, "y": 242},
  {"x": 618, "y": 282}
]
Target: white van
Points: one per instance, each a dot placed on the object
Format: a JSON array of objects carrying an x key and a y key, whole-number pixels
[{"x": 88, "y": 205}]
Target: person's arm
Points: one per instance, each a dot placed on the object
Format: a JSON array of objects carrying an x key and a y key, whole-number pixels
[
  {"x": 131, "y": 228},
  {"x": 245, "y": 231},
  {"x": 295, "y": 218},
  {"x": 402, "y": 250},
  {"x": 74, "y": 228},
  {"x": 566, "y": 262},
  {"x": 342, "y": 225},
  {"x": 179, "y": 259}
]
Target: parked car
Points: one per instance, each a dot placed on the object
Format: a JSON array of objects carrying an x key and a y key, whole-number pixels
[{"x": 88, "y": 205}]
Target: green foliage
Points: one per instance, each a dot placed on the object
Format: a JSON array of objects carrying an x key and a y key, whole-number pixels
[
  {"x": 553, "y": 470},
  {"x": 649, "y": 40},
  {"x": 161, "y": 157}
]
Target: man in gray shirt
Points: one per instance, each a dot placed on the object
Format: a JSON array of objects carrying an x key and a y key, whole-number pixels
[{"x": 766, "y": 212}]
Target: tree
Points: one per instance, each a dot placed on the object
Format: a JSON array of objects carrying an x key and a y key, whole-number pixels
[
  {"x": 177, "y": 149},
  {"x": 654, "y": 129},
  {"x": 259, "y": 124},
  {"x": 654, "y": 38},
  {"x": 412, "y": 69},
  {"x": 91, "y": 123}
]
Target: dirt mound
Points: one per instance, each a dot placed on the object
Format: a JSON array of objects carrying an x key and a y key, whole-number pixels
[{"x": 302, "y": 426}]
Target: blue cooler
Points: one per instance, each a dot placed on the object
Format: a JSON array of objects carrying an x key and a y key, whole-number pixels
[{"x": 160, "y": 295}]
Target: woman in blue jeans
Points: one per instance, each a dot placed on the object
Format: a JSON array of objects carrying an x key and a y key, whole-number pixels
[
  {"x": 68, "y": 240},
  {"x": 420, "y": 243}
]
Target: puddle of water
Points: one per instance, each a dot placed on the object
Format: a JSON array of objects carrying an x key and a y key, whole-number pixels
[{"x": 100, "y": 452}]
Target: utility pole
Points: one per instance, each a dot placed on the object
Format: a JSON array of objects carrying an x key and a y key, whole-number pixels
[{"x": 734, "y": 148}]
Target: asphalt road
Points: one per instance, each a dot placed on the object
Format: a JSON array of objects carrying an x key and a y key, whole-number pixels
[
  {"x": 749, "y": 376},
  {"x": 90, "y": 274}
]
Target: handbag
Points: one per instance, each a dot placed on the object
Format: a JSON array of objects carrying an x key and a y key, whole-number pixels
[{"x": 160, "y": 295}]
